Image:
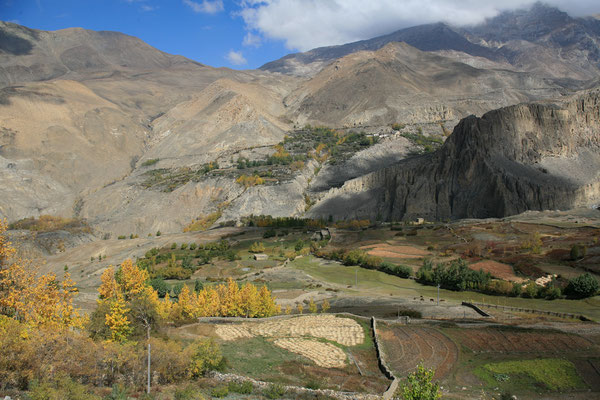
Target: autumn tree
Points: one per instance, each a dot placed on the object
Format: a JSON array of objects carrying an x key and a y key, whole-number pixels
[
  {"x": 419, "y": 385},
  {"x": 312, "y": 306},
  {"x": 34, "y": 298}
]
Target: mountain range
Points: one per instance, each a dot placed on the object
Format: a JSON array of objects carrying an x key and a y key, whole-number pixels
[{"x": 102, "y": 126}]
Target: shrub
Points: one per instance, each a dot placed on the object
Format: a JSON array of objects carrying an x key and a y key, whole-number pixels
[
  {"x": 173, "y": 246},
  {"x": 274, "y": 391},
  {"x": 198, "y": 286},
  {"x": 121, "y": 237},
  {"x": 205, "y": 356},
  {"x": 60, "y": 388},
  {"x": 299, "y": 245},
  {"x": 578, "y": 252},
  {"x": 150, "y": 162},
  {"x": 269, "y": 233},
  {"x": 188, "y": 393},
  {"x": 257, "y": 247},
  {"x": 158, "y": 233},
  {"x": 531, "y": 290},
  {"x": 219, "y": 392},
  {"x": 401, "y": 271},
  {"x": 517, "y": 289},
  {"x": 117, "y": 392},
  {"x": 582, "y": 286},
  {"x": 184, "y": 246},
  {"x": 160, "y": 286},
  {"x": 177, "y": 289},
  {"x": 241, "y": 388},
  {"x": 193, "y": 246}
]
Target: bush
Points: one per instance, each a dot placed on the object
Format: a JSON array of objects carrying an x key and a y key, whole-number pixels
[
  {"x": 299, "y": 245},
  {"x": 193, "y": 246},
  {"x": 173, "y": 246},
  {"x": 219, "y": 392},
  {"x": 177, "y": 289},
  {"x": 188, "y": 393},
  {"x": 241, "y": 388},
  {"x": 274, "y": 391},
  {"x": 121, "y": 237},
  {"x": 158, "y": 233},
  {"x": 206, "y": 356},
  {"x": 582, "y": 286},
  {"x": 531, "y": 290},
  {"x": 61, "y": 388},
  {"x": 578, "y": 252},
  {"x": 160, "y": 286},
  {"x": 269, "y": 233},
  {"x": 117, "y": 392},
  {"x": 198, "y": 286},
  {"x": 257, "y": 247},
  {"x": 150, "y": 162},
  {"x": 184, "y": 246}
]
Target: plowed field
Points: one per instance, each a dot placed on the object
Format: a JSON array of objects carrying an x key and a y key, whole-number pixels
[
  {"x": 491, "y": 340},
  {"x": 405, "y": 347}
]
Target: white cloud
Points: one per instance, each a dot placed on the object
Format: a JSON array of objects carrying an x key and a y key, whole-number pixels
[
  {"x": 236, "y": 58},
  {"x": 206, "y": 6},
  {"x": 252, "y": 40},
  {"x": 148, "y": 8},
  {"x": 306, "y": 24}
]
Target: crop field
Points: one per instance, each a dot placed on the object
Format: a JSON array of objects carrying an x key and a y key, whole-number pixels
[
  {"x": 498, "y": 270},
  {"x": 344, "y": 331},
  {"x": 494, "y": 340},
  {"x": 406, "y": 346},
  {"x": 322, "y": 351}
]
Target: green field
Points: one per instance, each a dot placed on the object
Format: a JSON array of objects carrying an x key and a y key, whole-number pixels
[
  {"x": 552, "y": 374},
  {"x": 371, "y": 282}
]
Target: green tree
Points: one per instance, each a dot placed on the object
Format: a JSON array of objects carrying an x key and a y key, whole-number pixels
[
  {"x": 177, "y": 289},
  {"x": 160, "y": 286},
  {"x": 198, "y": 286},
  {"x": 419, "y": 385},
  {"x": 582, "y": 286}
]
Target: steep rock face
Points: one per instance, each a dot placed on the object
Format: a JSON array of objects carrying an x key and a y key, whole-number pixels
[{"x": 523, "y": 157}]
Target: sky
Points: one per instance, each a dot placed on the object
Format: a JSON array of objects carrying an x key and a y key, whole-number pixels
[{"x": 244, "y": 34}]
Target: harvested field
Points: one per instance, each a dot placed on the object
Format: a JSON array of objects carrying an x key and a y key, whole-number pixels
[
  {"x": 498, "y": 270},
  {"x": 323, "y": 354},
  {"x": 589, "y": 370},
  {"x": 405, "y": 347},
  {"x": 344, "y": 331},
  {"x": 491, "y": 340},
  {"x": 394, "y": 251}
]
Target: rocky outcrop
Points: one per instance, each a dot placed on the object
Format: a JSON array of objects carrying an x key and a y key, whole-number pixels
[{"x": 537, "y": 156}]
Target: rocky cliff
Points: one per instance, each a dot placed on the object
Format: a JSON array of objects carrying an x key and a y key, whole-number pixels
[{"x": 536, "y": 156}]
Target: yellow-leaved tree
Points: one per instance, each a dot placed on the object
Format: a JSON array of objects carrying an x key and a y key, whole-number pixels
[
  {"x": 33, "y": 298},
  {"x": 126, "y": 301}
]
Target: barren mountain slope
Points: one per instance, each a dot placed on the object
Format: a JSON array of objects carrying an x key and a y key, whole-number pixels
[
  {"x": 399, "y": 83},
  {"x": 538, "y": 156},
  {"x": 56, "y": 140},
  {"x": 539, "y": 39},
  {"x": 79, "y": 108}
]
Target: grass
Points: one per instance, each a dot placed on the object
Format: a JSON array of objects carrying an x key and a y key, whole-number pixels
[
  {"x": 371, "y": 282},
  {"x": 552, "y": 374},
  {"x": 256, "y": 357}
]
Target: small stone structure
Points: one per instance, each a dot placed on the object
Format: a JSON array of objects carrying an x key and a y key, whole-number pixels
[{"x": 261, "y": 257}]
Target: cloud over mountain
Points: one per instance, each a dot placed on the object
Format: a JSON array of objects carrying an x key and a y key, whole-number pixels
[{"x": 306, "y": 24}]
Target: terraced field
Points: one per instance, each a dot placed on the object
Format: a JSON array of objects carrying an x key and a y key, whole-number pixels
[
  {"x": 491, "y": 340},
  {"x": 406, "y": 346}
]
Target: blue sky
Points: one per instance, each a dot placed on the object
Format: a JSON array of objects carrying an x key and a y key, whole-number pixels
[
  {"x": 248, "y": 33},
  {"x": 207, "y": 36}
]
